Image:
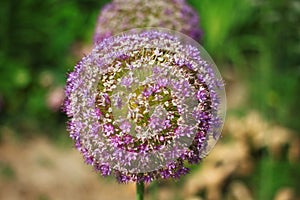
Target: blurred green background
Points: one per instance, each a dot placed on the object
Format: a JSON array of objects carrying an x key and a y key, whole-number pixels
[{"x": 255, "y": 43}]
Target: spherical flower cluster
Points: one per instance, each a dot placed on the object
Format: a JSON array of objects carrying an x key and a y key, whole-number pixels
[
  {"x": 143, "y": 103},
  {"x": 123, "y": 15}
]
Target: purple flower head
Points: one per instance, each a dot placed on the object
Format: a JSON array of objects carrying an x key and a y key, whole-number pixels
[
  {"x": 143, "y": 102},
  {"x": 123, "y": 15}
]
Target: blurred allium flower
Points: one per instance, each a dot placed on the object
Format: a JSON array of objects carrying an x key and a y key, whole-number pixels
[
  {"x": 144, "y": 102},
  {"x": 122, "y": 15}
]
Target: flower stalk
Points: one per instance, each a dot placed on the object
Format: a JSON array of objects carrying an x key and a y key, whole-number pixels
[{"x": 140, "y": 188}]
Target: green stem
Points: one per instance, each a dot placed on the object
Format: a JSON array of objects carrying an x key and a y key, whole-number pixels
[{"x": 140, "y": 190}]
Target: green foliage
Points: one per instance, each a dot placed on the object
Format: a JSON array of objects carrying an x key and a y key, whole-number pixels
[
  {"x": 272, "y": 175},
  {"x": 260, "y": 39},
  {"x": 220, "y": 19},
  {"x": 276, "y": 78},
  {"x": 37, "y": 36},
  {"x": 6, "y": 171}
]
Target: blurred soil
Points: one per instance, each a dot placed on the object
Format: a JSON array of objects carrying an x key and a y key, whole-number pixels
[{"x": 39, "y": 170}]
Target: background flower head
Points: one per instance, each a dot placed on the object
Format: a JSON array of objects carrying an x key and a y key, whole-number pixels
[
  {"x": 122, "y": 15},
  {"x": 143, "y": 102}
]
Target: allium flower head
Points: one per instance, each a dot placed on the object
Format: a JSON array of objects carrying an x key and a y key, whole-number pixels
[
  {"x": 122, "y": 15},
  {"x": 143, "y": 102}
]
